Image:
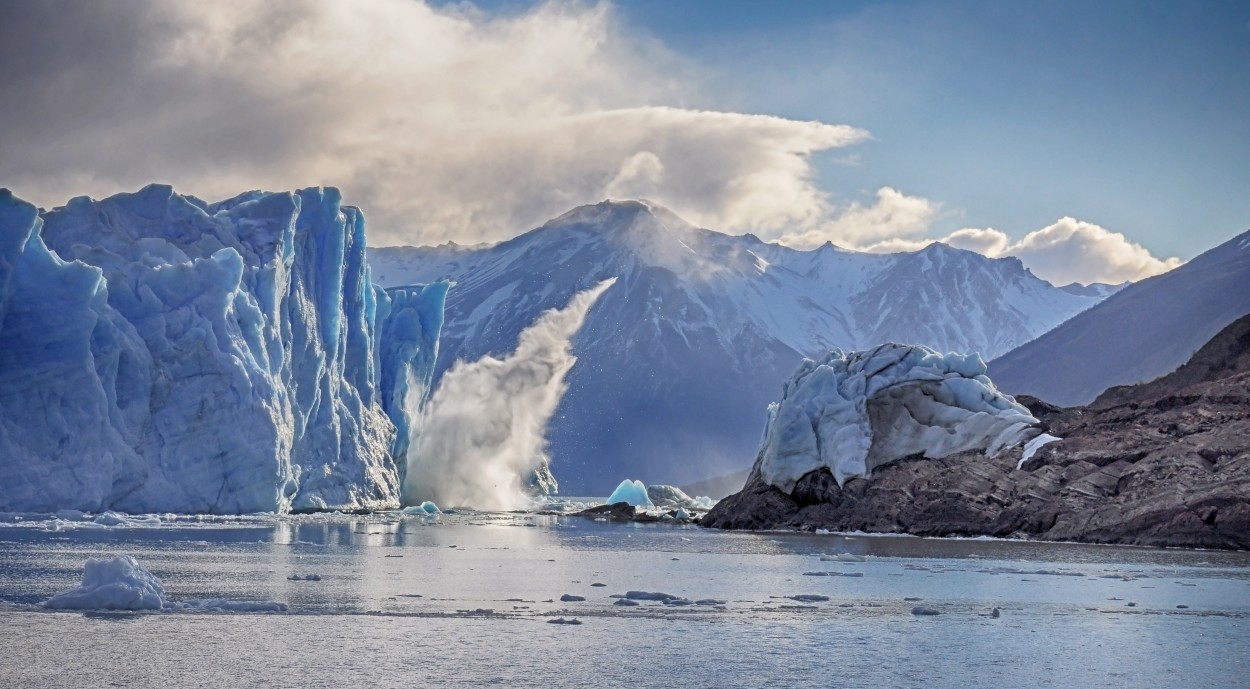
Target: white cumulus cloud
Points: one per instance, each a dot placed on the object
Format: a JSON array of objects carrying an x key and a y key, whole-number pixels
[
  {"x": 1067, "y": 251},
  {"x": 891, "y": 220}
]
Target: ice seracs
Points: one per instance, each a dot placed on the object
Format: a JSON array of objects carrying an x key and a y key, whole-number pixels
[
  {"x": 162, "y": 354},
  {"x": 852, "y": 412}
]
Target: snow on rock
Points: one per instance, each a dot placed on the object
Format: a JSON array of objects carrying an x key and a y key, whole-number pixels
[
  {"x": 161, "y": 354},
  {"x": 852, "y": 412},
  {"x": 1031, "y": 447},
  {"x": 632, "y": 492}
]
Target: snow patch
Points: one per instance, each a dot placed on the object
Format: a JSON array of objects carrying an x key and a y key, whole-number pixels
[{"x": 1031, "y": 447}]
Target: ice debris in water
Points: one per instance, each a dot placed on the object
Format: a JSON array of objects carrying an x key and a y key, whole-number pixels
[
  {"x": 650, "y": 595},
  {"x": 632, "y": 492},
  {"x": 852, "y": 412},
  {"x": 426, "y": 507},
  {"x": 121, "y": 583}
]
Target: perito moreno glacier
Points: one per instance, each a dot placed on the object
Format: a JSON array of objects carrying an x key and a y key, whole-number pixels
[{"x": 159, "y": 353}]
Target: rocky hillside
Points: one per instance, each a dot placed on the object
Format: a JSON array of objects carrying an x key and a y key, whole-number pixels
[
  {"x": 1138, "y": 334},
  {"x": 1164, "y": 464}
]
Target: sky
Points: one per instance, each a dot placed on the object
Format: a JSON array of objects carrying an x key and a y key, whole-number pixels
[{"x": 1098, "y": 141}]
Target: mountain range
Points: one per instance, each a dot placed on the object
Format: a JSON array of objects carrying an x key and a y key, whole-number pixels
[
  {"x": 679, "y": 361},
  {"x": 1144, "y": 331}
]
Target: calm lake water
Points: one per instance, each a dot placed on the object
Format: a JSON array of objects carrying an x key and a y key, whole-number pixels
[{"x": 467, "y": 600}]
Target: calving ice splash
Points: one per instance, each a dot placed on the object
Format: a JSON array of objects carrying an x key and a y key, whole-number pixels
[{"x": 481, "y": 436}]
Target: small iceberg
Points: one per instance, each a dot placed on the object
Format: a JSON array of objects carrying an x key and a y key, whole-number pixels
[
  {"x": 633, "y": 493},
  {"x": 121, "y": 583},
  {"x": 117, "y": 584},
  {"x": 426, "y": 508}
]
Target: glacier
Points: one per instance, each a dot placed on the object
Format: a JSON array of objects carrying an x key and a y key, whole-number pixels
[
  {"x": 163, "y": 354},
  {"x": 850, "y": 412}
]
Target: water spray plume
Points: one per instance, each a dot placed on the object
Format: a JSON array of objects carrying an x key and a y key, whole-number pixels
[{"x": 483, "y": 428}]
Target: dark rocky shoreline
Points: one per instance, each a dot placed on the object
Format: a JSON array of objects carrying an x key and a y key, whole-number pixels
[{"x": 1166, "y": 463}]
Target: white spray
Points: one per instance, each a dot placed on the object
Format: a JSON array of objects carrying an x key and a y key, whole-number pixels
[{"x": 484, "y": 426}]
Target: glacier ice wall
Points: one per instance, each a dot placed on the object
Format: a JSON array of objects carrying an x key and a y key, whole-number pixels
[
  {"x": 158, "y": 353},
  {"x": 852, "y": 412}
]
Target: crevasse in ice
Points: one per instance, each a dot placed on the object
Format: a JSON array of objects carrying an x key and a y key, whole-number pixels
[
  {"x": 852, "y": 412},
  {"x": 158, "y": 353}
]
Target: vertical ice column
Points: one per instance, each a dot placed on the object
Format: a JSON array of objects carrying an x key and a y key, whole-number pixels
[{"x": 410, "y": 320}]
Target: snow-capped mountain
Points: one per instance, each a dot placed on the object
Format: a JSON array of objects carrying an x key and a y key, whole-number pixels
[
  {"x": 1142, "y": 332},
  {"x": 678, "y": 362}
]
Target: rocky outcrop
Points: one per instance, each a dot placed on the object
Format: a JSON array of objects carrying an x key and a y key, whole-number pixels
[{"x": 1165, "y": 463}]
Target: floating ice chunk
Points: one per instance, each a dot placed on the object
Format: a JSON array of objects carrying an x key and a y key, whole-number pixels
[
  {"x": 120, "y": 583},
  {"x": 682, "y": 513},
  {"x": 842, "y": 557},
  {"x": 304, "y": 577},
  {"x": 649, "y": 595},
  {"x": 632, "y": 492},
  {"x": 808, "y": 598},
  {"x": 570, "y": 598},
  {"x": 228, "y": 605},
  {"x": 924, "y": 611},
  {"x": 425, "y": 508},
  {"x": 626, "y": 602}
]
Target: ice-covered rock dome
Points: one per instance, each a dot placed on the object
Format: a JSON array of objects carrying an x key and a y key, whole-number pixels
[
  {"x": 853, "y": 411},
  {"x": 159, "y": 353}
]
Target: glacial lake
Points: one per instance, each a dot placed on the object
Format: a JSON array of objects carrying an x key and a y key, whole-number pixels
[{"x": 467, "y": 600}]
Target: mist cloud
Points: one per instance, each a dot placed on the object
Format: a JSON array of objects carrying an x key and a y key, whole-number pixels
[
  {"x": 483, "y": 427},
  {"x": 442, "y": 123}
]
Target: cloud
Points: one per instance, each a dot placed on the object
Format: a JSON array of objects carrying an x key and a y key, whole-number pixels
[
  {"x": 1074, "y": 251},
  {"x": 483, "y": 429},
  {"x": 442, "y": 123},
  {"x": 1067, "y": 251},
  {"x": 888, "y": 221}
]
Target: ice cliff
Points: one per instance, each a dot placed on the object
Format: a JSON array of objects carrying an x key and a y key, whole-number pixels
[
  {"x": 852, "y": 412},
  {"x": 159, "y": 353}
]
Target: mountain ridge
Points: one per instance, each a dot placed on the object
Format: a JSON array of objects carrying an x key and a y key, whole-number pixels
[
  {"x": 679, "y": 361},
  {"x": 1139, "y": 333}
]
